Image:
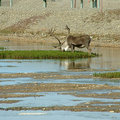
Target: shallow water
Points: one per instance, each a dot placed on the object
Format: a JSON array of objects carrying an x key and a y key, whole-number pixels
[
  {"x": 110, "y": 58},
  {"x": 58, "y": 115},
  {"x": 109, "y": 61},
  {"x": 55, "y": 99},
  {"x": 28, "y": 66},
  {"x": 14, "y": 81}
]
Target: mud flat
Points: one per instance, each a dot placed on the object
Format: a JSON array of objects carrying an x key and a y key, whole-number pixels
[
  {"x": 64, "y": 89},
  {"x": 9, "y": 101},
  {"x": 50, "y": 86},
  {"x": 47, "y": 87},
  {"x": 52, "y": 75},
  {"x": 88, "y": 107}
]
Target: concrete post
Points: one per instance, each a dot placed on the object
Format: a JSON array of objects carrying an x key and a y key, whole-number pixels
[
  {"x": 45, "y": 3},
  {"x": 92, "y": 3},
  {"x": 101, "y": 5},
  {"x": 98, "y": 3},
  {"x": 0, "y": 2},
  {"x": 11, "y": 3},
  {"x": 74, "y": 3},
  {"x": 71, "y": 3},
  {"x": 95, "y": 3},
  {"x": 81, "y": 3}
]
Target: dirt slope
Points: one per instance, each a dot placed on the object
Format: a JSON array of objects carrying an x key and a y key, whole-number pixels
[{"x": 31, "y": 18}]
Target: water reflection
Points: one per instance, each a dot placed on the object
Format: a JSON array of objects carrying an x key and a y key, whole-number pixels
[
  {"x": 76, "y": 64},
  {"x": 109, "y": 59}
]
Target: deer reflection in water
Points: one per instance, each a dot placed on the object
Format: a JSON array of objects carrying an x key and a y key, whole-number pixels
[{"x": 76, "y": 64}]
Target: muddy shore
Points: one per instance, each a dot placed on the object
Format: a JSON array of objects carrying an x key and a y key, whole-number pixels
[
  {"x": 102, "y": 95},
  {"x": 49, "y": 87},
  {"x": 90, "y": 106},
  {"x": 84, "y": 107},
  {"x": 11, "y": 91},
  {"x": 52, "y": 75},
  {"x": 37, "y": 42}
]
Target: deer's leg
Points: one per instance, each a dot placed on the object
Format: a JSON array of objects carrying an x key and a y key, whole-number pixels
[
  {"x": 72, "y": 48},
  {"x": 89, "y": 50},
  {"x": 87, "y": 45}
]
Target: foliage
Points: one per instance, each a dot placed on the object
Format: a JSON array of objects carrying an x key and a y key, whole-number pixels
[
  {"x": 43, "y": 54},
  {"x": 2, "y": 48},
  {"x": 107, "y": 75}
]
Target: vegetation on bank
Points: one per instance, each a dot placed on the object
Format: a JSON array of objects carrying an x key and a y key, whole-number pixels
[
  {"x": 44, "y": 54},
  {"x": 107, "y": 75},
  {"x": 2, "y": 48}
]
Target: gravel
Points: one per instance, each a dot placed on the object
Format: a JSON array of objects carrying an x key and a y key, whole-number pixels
[{"x": 103, "y": 26}]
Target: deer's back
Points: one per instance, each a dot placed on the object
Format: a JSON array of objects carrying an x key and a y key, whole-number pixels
[{"x": 78, "y": 39}]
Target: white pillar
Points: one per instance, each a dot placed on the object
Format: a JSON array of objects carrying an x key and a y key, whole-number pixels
[
  {"x": 81, "y": 3},
  {"x": 45, "y": 3},
  {"x": 11, "y": 3},
  {"x": 0, "y": 2},
  {"x": 101, "y": 5},
  {"x": 72, "y": 3},
  {"x": 98, "y": 3},
  {"x": 91, "y": 1}
]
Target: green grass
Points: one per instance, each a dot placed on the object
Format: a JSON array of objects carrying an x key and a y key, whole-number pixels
[
  {"x": 2, "y": 48},
  {"x": 107, "y": 75},
  {"x": 44, "y": 54}
]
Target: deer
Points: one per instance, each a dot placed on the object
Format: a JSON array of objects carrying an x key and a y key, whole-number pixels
[{"x": 72, "y": 41}]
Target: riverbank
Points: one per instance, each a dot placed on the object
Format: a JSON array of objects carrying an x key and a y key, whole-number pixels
[
  {"x": 69, "y": 85},
  {"x": 23, "y": 24},
  {"x": 63, "y": 89},
  {"x": 36, "y": 42}
]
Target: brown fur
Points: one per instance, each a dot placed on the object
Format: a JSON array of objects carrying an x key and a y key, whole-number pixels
[{"x": 78, "y": 41}]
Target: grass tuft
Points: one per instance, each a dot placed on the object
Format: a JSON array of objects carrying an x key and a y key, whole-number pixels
[
  {"x": 2, "y": 48},
  {"x": 44, "y": 54},
  {"x": 107, "y": 75}
]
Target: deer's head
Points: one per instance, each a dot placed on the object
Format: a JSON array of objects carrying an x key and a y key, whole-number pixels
[{"x": 63, "y": 46}]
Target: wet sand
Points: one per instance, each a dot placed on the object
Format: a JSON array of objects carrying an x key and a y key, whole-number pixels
[
  {"x": 11, "y": 91},
  {"x": 9, "y": 101},
  {"x": 44, "y": 76},
  {"x": 92, "y": 106},
  {"x": 49, "y": 87}
]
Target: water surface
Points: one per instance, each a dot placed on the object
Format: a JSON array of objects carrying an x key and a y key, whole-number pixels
[{"x": 109, "y": 61}]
